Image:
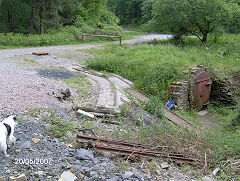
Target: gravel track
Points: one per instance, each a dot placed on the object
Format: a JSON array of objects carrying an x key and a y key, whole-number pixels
[
  {"x": 48, "y": 158},
  {"x": 22, "y": 87},
  {"x": 27, "y": 82}
]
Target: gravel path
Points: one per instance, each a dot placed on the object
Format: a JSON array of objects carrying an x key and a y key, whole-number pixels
[
  {"x": 23, "y": 88},
  {"x": 28, "y": 82},
  {"x": 48, "y": 158},
  {"x": 37, "y": 156}
]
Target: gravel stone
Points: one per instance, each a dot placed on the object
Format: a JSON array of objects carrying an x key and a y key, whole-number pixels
[
  {"x": 26, "y": 145},
  {"x": 115, "y": 178},
  {"x": 84, "y": 154},
  {"x": 127, "y": 175}
]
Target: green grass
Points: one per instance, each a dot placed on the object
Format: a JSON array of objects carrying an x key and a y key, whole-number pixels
[
  {"x": 153, "y": 68},
  {"x": 9, "y": 47},
  {"x": 131, "y": 35},
  {"x": 66, "y": 36},
  {"x": 30, "y": 62},
  {"x": 80, "y": 83},
  {"x": 137, "y": 28}
]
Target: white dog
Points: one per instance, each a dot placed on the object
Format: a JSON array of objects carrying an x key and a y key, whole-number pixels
[{"x": 6, "y": 133}]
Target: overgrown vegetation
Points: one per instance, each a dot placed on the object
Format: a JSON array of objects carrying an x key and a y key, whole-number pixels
[
  {"x": 57, "y": 22},
  {"x": 66, "y": 36},
  {"x": 153, "y": 68}
]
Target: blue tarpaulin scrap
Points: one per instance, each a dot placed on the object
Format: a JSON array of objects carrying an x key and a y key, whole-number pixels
[{"x": 170, "y": 105}]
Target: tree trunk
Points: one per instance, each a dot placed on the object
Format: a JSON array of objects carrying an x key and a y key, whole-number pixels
[
  {"x": 10, "y": 26},
  {"x": 32, "y": 18},
  {"x": 41, "y": 17},
  {"x": 204, "y": 39}
]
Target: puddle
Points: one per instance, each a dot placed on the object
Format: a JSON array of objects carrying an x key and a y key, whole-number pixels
[{"x": 55, "y": 74}]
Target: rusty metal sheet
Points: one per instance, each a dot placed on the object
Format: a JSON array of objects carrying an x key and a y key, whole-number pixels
[{"x": 201, "y": 90}]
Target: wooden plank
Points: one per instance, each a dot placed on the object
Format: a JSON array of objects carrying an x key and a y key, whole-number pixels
[
  {"x": 110, "y": 36},
  {"x": 40, "y": 53},
  {"x": 99, "y": 110},
  {"x": 171, "y": 116}
]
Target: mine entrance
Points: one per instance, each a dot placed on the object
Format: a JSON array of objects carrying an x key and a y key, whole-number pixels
[{"x": 201, "y": 90}]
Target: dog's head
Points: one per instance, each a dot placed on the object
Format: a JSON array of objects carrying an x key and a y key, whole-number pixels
[{"x": 11, "y": 121}]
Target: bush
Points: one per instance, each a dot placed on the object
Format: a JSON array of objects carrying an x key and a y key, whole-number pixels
[
  {"x": 111, "y": 30},
  {"x": 155, "y": 107},
  {"x": 107, "y": 25},
  {"x": 66, "y": 35},
  {"x": 236, "y": 118},
  {"x": 81, "y": 24}
]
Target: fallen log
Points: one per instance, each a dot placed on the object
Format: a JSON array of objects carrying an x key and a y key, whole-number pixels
[
  {"x": 98, "y": 110},
  {"x": 111, "y": 122},
  {"x": 85, "y": 113},
  {"x": 103, "y": 115}
]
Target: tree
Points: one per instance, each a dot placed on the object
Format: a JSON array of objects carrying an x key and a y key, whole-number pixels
[
  {"x": 52, "y": 19},
  {"x": 15, "y": 16},
  {"x": 191, "y": 17},
  {"x": 41, "y": 14},
  {"x": 32, "y": 17},
  {"x": 127, "y": 11},
  {"x": 147, "y": 9}
]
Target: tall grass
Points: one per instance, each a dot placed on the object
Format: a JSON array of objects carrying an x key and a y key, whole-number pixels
[
  {"x": 67, "y": 35},
  {"x": 154, "y": 67}
]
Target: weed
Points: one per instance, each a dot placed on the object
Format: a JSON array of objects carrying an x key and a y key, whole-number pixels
[
  {"x": 155, "y": 107},
  {"x": 31, "y": 61},
  {"x": 123, "y": 164},
  {"x": 67, "y": 35},
  {"x": 153, "y": 69},
  {"x": 192, "y": 115},
  {"x": 80, "y": 83}
]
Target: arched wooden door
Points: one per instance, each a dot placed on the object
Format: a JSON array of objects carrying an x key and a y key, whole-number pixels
[{"x": 201, "y": 90}]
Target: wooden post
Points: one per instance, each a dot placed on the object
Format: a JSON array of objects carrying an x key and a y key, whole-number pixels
[
  {"x": 120, "y": 39},
  {"x": 82, "y": 38}
]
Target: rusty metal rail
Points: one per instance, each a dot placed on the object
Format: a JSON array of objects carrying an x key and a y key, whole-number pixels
[
  {"x": 117, "y": 142},
  {"x": 125, "y": 148}
]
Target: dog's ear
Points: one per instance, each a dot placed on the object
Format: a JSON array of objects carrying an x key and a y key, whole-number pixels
[{"x": 15, "y": 120}]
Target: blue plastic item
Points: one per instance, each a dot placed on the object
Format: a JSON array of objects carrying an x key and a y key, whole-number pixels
[{"x": 170, "y": 105}]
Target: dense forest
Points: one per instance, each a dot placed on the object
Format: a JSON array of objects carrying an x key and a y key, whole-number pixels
[
  {"x": 39, "y": 16},
  {"x": 196, "y": 17}
]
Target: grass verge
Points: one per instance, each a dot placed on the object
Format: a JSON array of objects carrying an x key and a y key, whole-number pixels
[{"x": 69, "y": 35}]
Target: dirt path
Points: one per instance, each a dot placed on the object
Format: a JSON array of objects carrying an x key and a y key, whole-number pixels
[
  {"x": 73, "y": 48},
  {"x": 28, "y": 82},
  {"x": 24, "y": 86}
]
